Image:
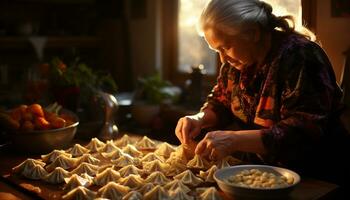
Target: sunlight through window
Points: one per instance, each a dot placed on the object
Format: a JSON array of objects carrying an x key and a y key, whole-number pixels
[{"x": 193, "y": 50}]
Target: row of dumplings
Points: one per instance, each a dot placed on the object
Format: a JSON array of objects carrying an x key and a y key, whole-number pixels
[
  {"x": 133, "y": 182},
  {"x": 115, "y": 191},
  {"x": 128, "y": 166}
]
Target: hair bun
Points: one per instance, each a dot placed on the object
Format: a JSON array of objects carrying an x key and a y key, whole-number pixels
[{"x": 267, "y": 7}]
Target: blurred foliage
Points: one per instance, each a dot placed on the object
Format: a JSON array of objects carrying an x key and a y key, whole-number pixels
[
  {"x": 78, "y": 74},
  {"x": 152, "y": 90}
]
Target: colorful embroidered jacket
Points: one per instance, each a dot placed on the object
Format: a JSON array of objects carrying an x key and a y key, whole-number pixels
[{"x": 293, "y": 97}]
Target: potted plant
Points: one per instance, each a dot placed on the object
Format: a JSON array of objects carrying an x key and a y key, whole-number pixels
[
  {"x": 152, "y": 91},
  {"x": 79, "y": 88}
]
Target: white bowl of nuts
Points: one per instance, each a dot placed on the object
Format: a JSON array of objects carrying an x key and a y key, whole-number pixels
[{"x": 256, "y": 181}]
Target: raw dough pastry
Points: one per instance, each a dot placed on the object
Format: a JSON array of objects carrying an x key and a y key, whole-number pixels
[
  {"x": 94, "y": 145},
  {"x": 62, "y": 161},
  {"x": 198, "y": 163},
  {"x": 130, "y": 169},
  {"x": 188, "y": 178},
  {"x": 156, "y": 193},
  {"x": 146, "y": 143},
  {"x": 177, "y": 184},
  {"x": 164, "y": 149},
  {"x": 86, "y": 168},
  {"x": 157, "y": 178},
  {"x": 88, "y": 158},
  {"x": 80, "y": 193},
  {"x": 209, "y": 193},
  {"x": 77, "y": 150},
  {"x": 131, "y": 150},
  {"x": 133, "y": 181},
  {"x": 75, "y": 181},
  {"x": 208, "y": 176},
  {"x": 57, "y": 176},
  {"x": 106, "y": 176},
  {"x": 49, "y": 158},
  {"x": 113, "y": 191}
]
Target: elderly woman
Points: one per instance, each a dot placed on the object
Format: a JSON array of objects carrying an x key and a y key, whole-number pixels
[{"x": 274, "y": 82}]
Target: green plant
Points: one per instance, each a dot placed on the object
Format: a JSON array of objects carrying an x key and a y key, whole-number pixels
[
  {"x": 152, "y": 89},
  {"x": 78, "y": 74}
]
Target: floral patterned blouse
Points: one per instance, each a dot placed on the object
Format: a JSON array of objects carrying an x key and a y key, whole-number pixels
[{"x": 293, "y": 98}]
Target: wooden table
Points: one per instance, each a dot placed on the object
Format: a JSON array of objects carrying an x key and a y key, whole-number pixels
[{"x": 306, "y": 190}]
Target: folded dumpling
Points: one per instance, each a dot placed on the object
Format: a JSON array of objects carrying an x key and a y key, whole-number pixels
[
  {"x": 155, "y": 165},
  {"x": 130, "y": 169},
  {"x": 35, "y": 173},
  {"x": 80, "y": 193},
  {"x": 175, "y": 168},
  {"x": 113, "y": 190},
  {"x": 133, "y": 195},
  {"x": 208, "y": 176},
  {"x": 179, "y": 194},
  {"x": 106, "y": 166},
  {"x": 209, "y": 193},
  {"x": 227, "y": 161},
  {"x": 106, "y": 176},
  {"x": 156, "y": 193},
  {"x": 123, "y": 141},
  {"x": 57, "y": 176},
  {"x": 64, "y": 162},
  {"x": 188, "y": 178},
  {"x": 157, "y": 178},
  {"x": 48, "y": 158},
  {"x": 178, "y": 156},
  {"x": 150, "y": 157},
  {"x": 27, "y": 164},
  {"x": 75, "y": 181},
  {"x": 198, "y": 163},
  {"x": 94, "y": 145},
  {"x": 146, "y": 143},
  {"x": 108, "y": 147},
  {"x": 77, "y": 150},
  {"x": 88, "y": 158},
  {"x": 177, "y": 184},
  {"x": 117, "y": 153},
  {"x": 86, "y": 168},
  {"x": 125, "y": 160},
  {"x": 145, "y": 188},
  {"x": 87, "y": 177},
  {"x": 164, "y": 149},
  {"x": 131, "y": 150},
  {"x": 132, "y": 181}
]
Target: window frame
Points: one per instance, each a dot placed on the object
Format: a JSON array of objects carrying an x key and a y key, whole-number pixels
[{"x": 170, "y": 41}]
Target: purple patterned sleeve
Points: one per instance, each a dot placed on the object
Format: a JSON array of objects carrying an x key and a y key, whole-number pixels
[{"x": 308, "y": 97}]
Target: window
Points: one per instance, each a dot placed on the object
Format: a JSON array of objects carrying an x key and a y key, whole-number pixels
[
  {"x": 193, "y": 49},
  {"x": 183, "y": 47}
]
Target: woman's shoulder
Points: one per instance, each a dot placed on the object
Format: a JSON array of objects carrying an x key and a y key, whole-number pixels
[{"x": 294, "y": 44}]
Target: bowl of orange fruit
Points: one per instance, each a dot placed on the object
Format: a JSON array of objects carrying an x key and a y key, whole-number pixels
[{"x": 37, "y": 129}]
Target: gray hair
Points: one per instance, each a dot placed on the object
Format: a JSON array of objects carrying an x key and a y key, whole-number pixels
[{"x": 234, "y": 16}]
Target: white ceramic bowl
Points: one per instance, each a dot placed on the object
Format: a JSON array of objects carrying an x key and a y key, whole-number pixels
[{"x": 221, "y": 176}]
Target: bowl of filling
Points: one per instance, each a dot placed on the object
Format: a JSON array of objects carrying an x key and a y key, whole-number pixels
[
  {"x": 35, "y": 129},
  {"x": 256, "y": 181}
]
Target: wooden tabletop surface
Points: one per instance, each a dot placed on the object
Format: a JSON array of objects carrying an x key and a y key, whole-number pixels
[{"x": 307, "y": 189}]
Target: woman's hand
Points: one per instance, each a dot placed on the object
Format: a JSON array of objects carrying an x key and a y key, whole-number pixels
[
  {"x": 188, "y": 127},
  {"x": 217, "y": 144}
]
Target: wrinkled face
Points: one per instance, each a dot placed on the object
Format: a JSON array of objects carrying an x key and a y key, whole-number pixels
[{"x": 235, "y": 50}]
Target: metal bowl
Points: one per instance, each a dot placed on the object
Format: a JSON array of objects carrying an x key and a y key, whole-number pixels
[
  {"x": 44, "y": 141},
  {"x": 236, "y": 191}
]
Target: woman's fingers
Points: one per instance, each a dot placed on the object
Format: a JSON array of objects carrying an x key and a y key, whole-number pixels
[
  {"x": 200, "y": 147},
  {"x": 178, "y": 130},
  {"x": 186, "y": 127}
]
